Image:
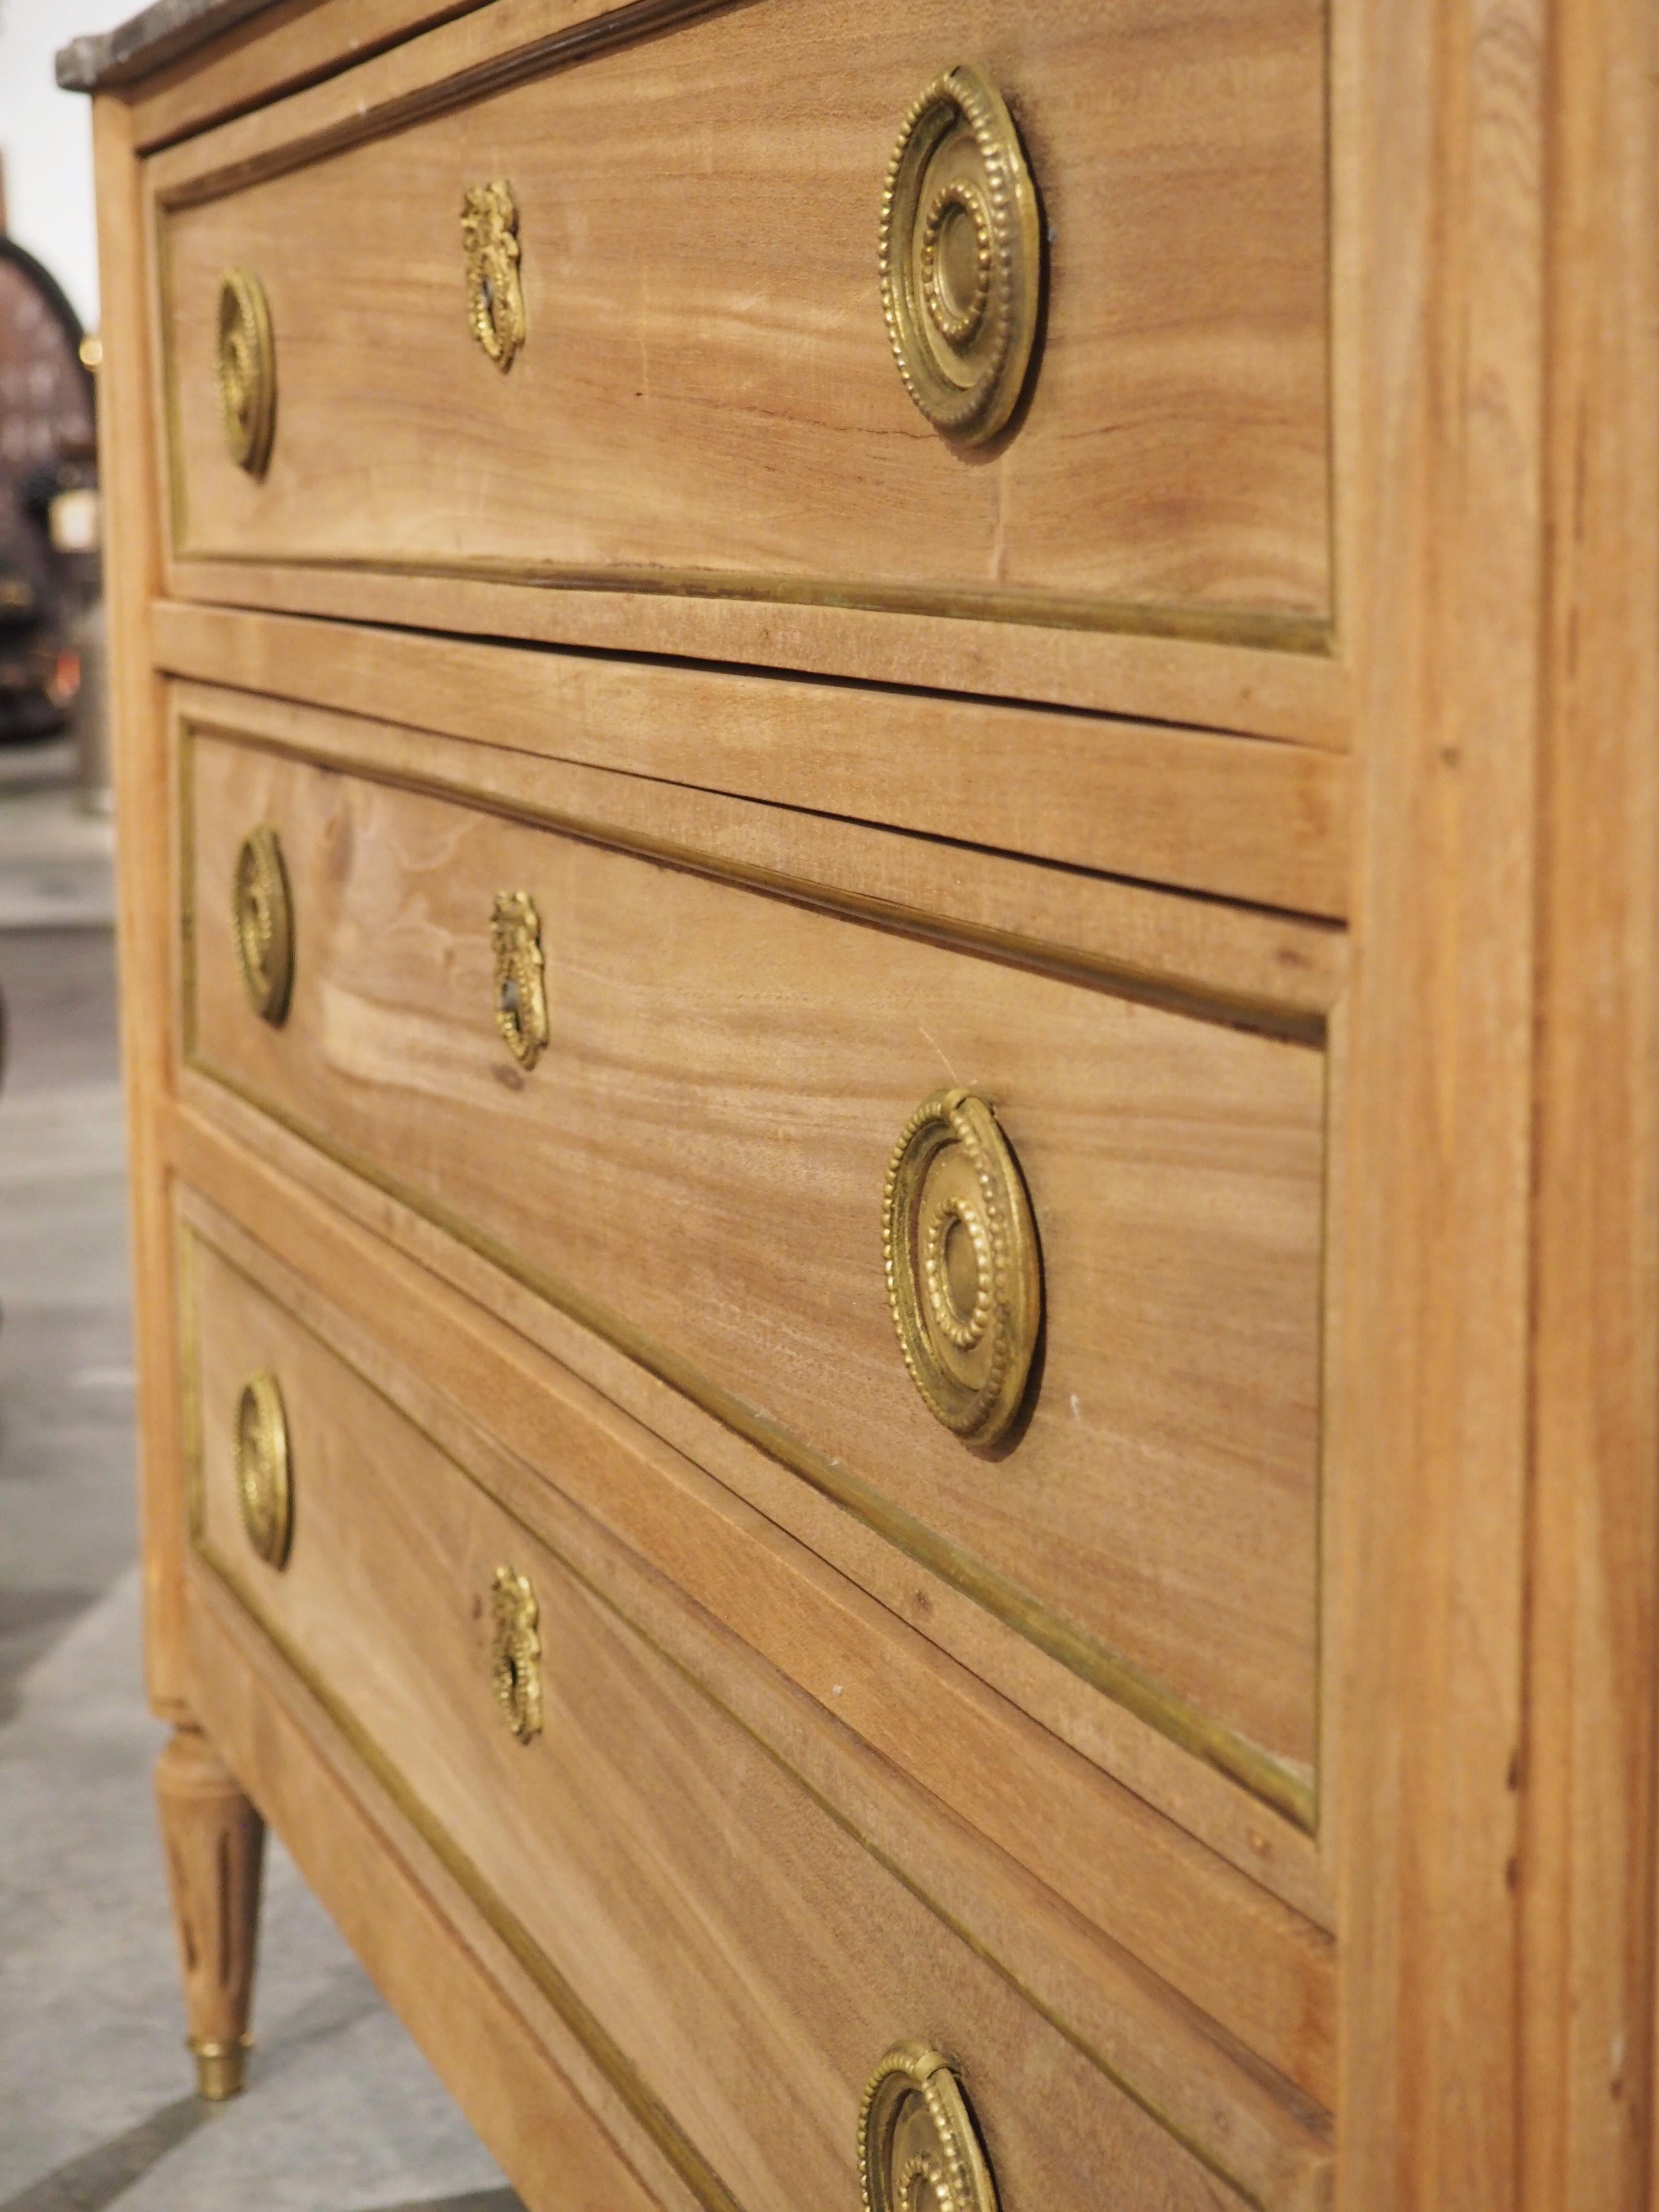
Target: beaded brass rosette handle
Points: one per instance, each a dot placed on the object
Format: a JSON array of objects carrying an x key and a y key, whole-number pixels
[
  {"x": 919, "y": 2150},
  {"x": 963, "y": 1278},
  {"x": 246, "y": 370},
  {"x": 961, "y": 256}
]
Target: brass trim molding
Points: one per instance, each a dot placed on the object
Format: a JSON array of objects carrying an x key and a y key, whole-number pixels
[
  {"x": 918, "y": 2150},
  {"x": 245, "y": 370},
  {"x": 1304, "y": 636},
  {"x": 961, "y": 256}
]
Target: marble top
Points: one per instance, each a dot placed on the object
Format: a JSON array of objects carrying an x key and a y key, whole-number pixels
[{"x": 158, "y": 34}]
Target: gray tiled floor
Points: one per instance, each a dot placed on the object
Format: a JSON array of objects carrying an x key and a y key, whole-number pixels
[{"x": 342, "y": 2114}]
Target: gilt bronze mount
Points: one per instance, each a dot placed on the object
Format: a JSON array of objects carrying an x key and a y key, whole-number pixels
[
  {"x": 961, "y": 256},
  {"x": 963, "y": 1278},
  {"x": 246, "y": 370}
]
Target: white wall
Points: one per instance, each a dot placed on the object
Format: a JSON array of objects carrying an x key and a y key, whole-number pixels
[{"x": 45, "y": 139}]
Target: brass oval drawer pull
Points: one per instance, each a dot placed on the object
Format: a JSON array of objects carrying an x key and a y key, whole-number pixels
[
  {"x": 495, "y": 297},
  {"x": 961, "y": 256},
  {"x": 964, "y": 1278},
  {"x": 515, "y": 930},
  {"x": 919, "y": 2150},
  {"x": 247, "y": 370},
  {"x": 516, "y": 1653},
  {"x": 264, "y": 1483},
  {"x": 263, "y": 918}
]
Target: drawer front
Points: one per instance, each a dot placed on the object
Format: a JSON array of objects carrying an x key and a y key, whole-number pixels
[
  {"x": 706, "y": 397},
  {"x": 735, "y": 1958},
  {"x": 697, "y": 1165}
]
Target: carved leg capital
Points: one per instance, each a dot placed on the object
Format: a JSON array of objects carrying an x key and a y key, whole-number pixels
[{"x": 215, "y": 1843}]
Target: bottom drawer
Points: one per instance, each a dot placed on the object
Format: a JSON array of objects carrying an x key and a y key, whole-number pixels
[{"x": 736, "y": 1959}]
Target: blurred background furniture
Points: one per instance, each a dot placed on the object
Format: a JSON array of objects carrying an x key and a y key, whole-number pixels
[{"x": 49, "y": 578}]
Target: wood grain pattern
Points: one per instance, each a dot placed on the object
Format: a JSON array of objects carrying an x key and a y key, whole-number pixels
[
  {"x": 707, "y": 392},
  {"x": 731, "y": 1942},
  {"x": 1588, "y": 1836},
  {"x": 1440, "y": 201},
  {"x": 705, "y": 1169},
  {"x": 1262, "y": 823}
]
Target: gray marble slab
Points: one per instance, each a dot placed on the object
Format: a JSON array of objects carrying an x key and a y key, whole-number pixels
[{"x": 158, "y": 34}]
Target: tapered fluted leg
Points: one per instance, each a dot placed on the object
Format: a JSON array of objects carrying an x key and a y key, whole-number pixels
[{"x": 215, "y": 1843}]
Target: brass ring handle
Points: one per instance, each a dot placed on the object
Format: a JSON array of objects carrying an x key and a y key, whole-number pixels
[
  {"x": 963, "y": 1278},
  {"x": 246, "y": 370},
  {"x": 262, "y": 917},
  {"x": 918, "y": 2150},
  {"x": 961, "y": 256},
  {"x": 515, "y": 1662},
  {"x": 495, "y": 296},
  {"x": 265, "y": 1483},
  {"x": 515, "y": 931}
]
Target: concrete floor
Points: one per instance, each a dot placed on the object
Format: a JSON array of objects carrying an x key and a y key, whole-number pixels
[{"x": 342, "y": 2114}]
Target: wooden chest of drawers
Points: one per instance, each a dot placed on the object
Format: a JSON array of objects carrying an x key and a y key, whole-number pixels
[{"x": 888, "y": 837}]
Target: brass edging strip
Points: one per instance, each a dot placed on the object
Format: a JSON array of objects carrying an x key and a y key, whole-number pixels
[
  {"x": 1305, "y": 636},
  {"x": 1172, "y": 1715},
  {"x": 1040, "y": 956},
  {"x": 617, "y": 2068},
  {"x": 188, "y": 1291},
  {"x": 484, "y": 1896}
]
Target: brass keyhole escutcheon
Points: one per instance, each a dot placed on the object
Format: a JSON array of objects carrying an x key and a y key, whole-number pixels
[
  {"x": 963, "y": 1278},
  {"x": 918, "y": 2150},
  {"x": 495, "y": 296},
  {"x": 246, "y": 370},
  {"x": 262, "y": 918},
  {"x": 516, "y": 1653},
  {"x": 515, "y": 931},
  {"x": 263, "y": 1482},
  {"x": 961, "y": 256}
]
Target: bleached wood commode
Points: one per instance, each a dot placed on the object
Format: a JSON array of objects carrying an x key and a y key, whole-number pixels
[{"x": 888, "y": 808}]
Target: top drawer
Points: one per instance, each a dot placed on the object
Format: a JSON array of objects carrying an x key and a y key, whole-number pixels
[{"x": 706, "y": 398}]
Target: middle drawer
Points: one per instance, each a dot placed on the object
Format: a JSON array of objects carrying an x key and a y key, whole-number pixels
[{"x": 697, "y": 1165}]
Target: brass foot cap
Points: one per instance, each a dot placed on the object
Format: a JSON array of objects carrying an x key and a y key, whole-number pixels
[{"x": 219, "y": 2069}]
